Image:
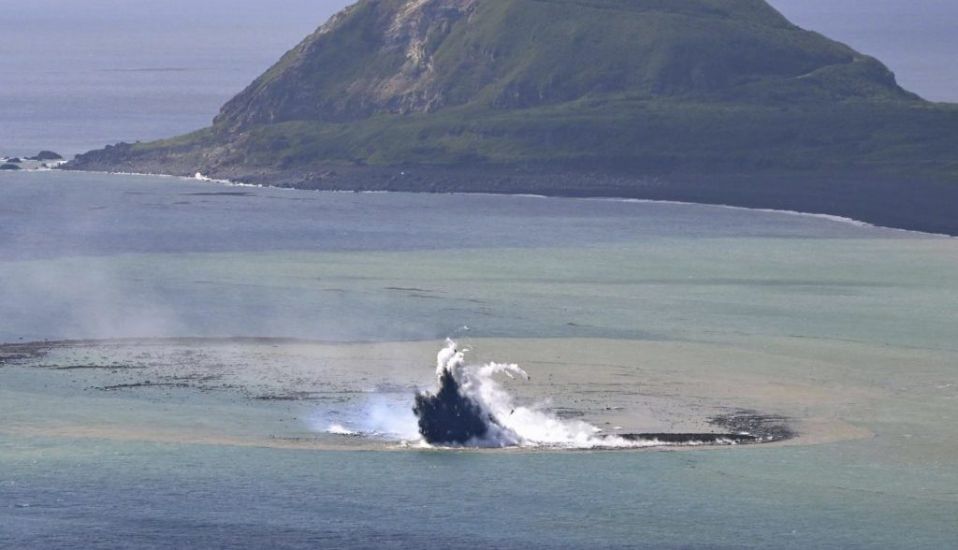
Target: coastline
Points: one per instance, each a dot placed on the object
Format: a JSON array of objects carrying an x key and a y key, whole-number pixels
[{"x": 200, "y": 177}]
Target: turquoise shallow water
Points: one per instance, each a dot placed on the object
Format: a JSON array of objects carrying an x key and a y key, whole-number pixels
[
  {"x": 95, "y": 256},
  {"x": 836, "y": 307}
]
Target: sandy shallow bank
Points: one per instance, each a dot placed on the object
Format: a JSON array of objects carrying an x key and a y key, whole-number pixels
[{"x": 286, "y": 393}]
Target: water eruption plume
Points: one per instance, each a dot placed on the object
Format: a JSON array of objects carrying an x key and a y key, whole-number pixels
[
  {"x": 455, "y": 414},
  {"x": 471, "y": 408}
]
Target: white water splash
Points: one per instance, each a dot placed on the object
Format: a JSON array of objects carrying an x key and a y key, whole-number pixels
[
  {"x": 513, "y": 425},
  {"x": 339, "y": 429},
  {"x": 377, "y": 417},
  {"x": 516, "y": 425}
]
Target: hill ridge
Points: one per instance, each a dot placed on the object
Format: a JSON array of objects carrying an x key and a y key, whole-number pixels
[{"x": 644, "y": 89}]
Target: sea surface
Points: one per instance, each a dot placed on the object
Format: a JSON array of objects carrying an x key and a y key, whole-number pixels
[
  {"x": 847, "y": 329},
  {"x": 75, "y": 76},
  {"x": 644, "y": 316}
]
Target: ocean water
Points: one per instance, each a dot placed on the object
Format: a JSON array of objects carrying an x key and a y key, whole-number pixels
[
  {"x": 847, "y": 329},
  {"x": 647, "y": 316},
  {"x": 912, "y": 38},
  {"x": 79, "y": 75},
  {"x": 83, "y": 250}
]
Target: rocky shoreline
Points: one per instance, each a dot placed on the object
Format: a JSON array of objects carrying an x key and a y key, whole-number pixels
[
  {"x": 43, "y": 160},
  {"x": 915, "y": 204}
]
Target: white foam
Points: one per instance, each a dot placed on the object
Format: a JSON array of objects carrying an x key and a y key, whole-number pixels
[
  {"x": 530, "y": 426},
  {"x": 518, "y": 425},
  {"x": 339, "y": 429}
]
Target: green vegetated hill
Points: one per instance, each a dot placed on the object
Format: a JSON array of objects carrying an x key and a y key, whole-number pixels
[{"x": 636, "y": 88}]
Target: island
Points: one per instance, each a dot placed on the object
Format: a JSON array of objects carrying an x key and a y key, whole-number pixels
[{"x": 709, "y": 101}]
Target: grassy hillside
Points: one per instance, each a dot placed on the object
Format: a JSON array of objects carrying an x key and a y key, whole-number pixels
[
  {"x": 382, "y": 57},
  {"x": 641, "y": 88},
  {"x": 650, "y": 137}
]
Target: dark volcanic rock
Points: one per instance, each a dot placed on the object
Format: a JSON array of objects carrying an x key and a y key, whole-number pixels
[
  {"x": 9, "y": 167},
  {"x": 14, "y": 160},
  {"x": 46, "y": 155}
]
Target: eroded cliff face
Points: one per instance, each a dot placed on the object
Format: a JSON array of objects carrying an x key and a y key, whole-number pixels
[
  {"x": 400, "y": 57},
  {"x": 377, "y": 56},
  {"x": 417, "y": 30}
]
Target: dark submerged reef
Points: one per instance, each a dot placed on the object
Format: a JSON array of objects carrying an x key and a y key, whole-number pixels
[{"x": 449, "y": 417}]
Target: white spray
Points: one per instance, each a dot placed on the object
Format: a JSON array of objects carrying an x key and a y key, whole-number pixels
[
  {"x": 512, "y": 425},
  {"x": 518, "y": 425}
]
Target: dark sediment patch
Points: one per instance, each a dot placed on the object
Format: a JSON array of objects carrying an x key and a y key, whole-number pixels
[
  {"x": 410, "y": 289},
  {"x": 11, "y": 354},
  {"x": 146, "y": 384},
  {"x": 220, "y": 194},
  {"x": 197, "y": 377},
  {"x": 307, "y": 395},
  {"x": 764, "y": 427},
  {"x": 692, "y": 438},
  {"x": 112, "y": 368},
  {"x": 39, "y": 348},
  {"x": 743, "y": 427},
  {"x": 568, "y": 413}
]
